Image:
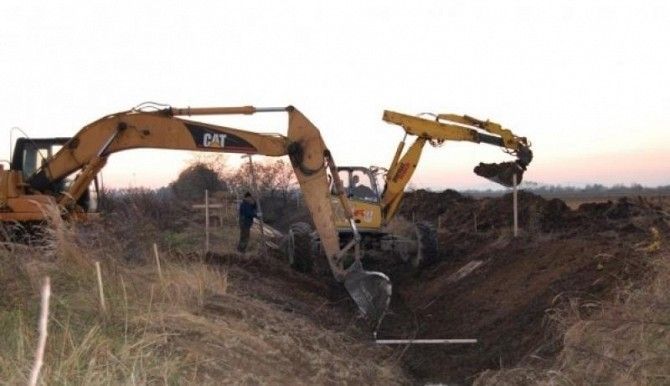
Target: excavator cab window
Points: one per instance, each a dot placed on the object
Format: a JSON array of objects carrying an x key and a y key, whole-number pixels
[
  {"x": 29, "y": 156},
  {"x": 362, "y": 186},
  {"x": 358, "y": 183},
  {"x": 31, "y": 153},
  {"x": 344, "y": 176},
  {"x": 33, "y": 158}
]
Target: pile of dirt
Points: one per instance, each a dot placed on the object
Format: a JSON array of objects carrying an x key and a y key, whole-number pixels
[
  {"x": 486, "y": 284},
  {"x": 497, "y": 288}
]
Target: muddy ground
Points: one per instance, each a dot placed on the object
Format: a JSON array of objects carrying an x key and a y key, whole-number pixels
[{"x": 491, "y": 286}]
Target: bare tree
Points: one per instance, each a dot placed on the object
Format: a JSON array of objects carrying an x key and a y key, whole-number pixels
[{"x": 274, "y": 179}]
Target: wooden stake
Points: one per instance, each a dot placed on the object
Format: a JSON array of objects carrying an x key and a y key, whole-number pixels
[
  {"x": 43, "y": 324},
  {"x": 515, "y": 206},
  {"x": 125, "y": 307},
  {"x": 206, "y": 220},
  {"x": 101, "y": 291},
  {"x": 158, "y": 263}
]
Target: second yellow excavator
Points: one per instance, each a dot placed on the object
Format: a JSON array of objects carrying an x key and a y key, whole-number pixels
[{"x": 375, "y": 193}]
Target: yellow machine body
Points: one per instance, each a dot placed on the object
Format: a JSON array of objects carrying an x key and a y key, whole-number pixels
[
  {"x": 367, "y": 215},
  {"x": 373, "y": 212}
]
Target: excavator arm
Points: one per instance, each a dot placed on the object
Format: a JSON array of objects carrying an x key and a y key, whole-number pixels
[
  {"x": 164, "y": 128},
  {"x": 90, "y": 147},
  {"x": 450, "y": 127}
]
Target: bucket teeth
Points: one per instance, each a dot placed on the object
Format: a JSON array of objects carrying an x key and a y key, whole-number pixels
[{"x": 370, "y": 290}]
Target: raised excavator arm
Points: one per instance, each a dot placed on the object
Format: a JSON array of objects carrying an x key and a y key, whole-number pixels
[
  {"x": 88, "y": 150},
  {"x": 450, "y": 127}
]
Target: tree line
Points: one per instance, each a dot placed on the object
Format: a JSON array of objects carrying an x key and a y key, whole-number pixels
[{"x": 589, "y": 190}]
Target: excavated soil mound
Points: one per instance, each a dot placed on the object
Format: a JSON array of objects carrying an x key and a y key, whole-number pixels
[
  {"x": 498, "y": 289},
  {"x": 486, "y": 284}
]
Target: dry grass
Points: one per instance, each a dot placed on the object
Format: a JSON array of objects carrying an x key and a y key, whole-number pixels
[
  {"x": 85, "y": 345},
  {"x": 187, "y": 328},
  {"x": 624, "y": 341}
]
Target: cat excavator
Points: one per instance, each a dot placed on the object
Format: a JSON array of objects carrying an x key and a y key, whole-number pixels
[
  {"x": 39, "y": 170},
  {"x": 375, "y": 193}
]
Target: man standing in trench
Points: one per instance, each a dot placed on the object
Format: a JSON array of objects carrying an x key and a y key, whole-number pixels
[{"x": 247, "y": 214}]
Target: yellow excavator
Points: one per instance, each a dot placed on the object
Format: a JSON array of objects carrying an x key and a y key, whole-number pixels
[
  {"x": 375, "y": 193},
  {"x": 39, "y": 170},
  {"x": 349, "y": 206}
]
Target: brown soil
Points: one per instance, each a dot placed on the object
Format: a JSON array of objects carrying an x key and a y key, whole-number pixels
[{"x": 560, "y": 254}]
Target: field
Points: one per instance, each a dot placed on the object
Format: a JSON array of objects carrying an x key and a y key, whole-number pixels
[
  {"x": 579, "y": 297},
  {"x": 575, "y": 201}
]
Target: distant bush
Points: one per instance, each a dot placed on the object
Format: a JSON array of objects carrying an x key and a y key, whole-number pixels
[{"x": 195, "y": 179}]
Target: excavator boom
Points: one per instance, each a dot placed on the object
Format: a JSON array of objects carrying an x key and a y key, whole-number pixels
[{"x": 450, "y": 127}]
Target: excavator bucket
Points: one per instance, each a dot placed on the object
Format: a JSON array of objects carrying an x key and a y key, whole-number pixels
[
  {"x": 370, "y": 290},
  {"x": 501, "y": 173}
]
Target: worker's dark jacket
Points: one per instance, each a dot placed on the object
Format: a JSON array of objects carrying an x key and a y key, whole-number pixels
[{"x": 247, "y": 213}]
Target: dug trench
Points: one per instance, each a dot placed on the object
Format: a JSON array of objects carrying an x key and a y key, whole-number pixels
[{"x": 493, "y": 287}]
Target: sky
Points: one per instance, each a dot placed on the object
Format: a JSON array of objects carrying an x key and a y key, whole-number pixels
[{"x": 587, "y": 82}]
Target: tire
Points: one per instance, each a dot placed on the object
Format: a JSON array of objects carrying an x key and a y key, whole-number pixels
[
  {"x": 299, "y": 247},
  {"x": 427, "y": 253}
]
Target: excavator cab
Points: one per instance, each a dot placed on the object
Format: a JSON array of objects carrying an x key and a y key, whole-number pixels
[
  {"x": 30, "y": 154},
  {"x": 364, "y": 193}
]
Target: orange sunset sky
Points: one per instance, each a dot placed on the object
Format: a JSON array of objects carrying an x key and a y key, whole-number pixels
[{"x": 586, "y": 82}]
